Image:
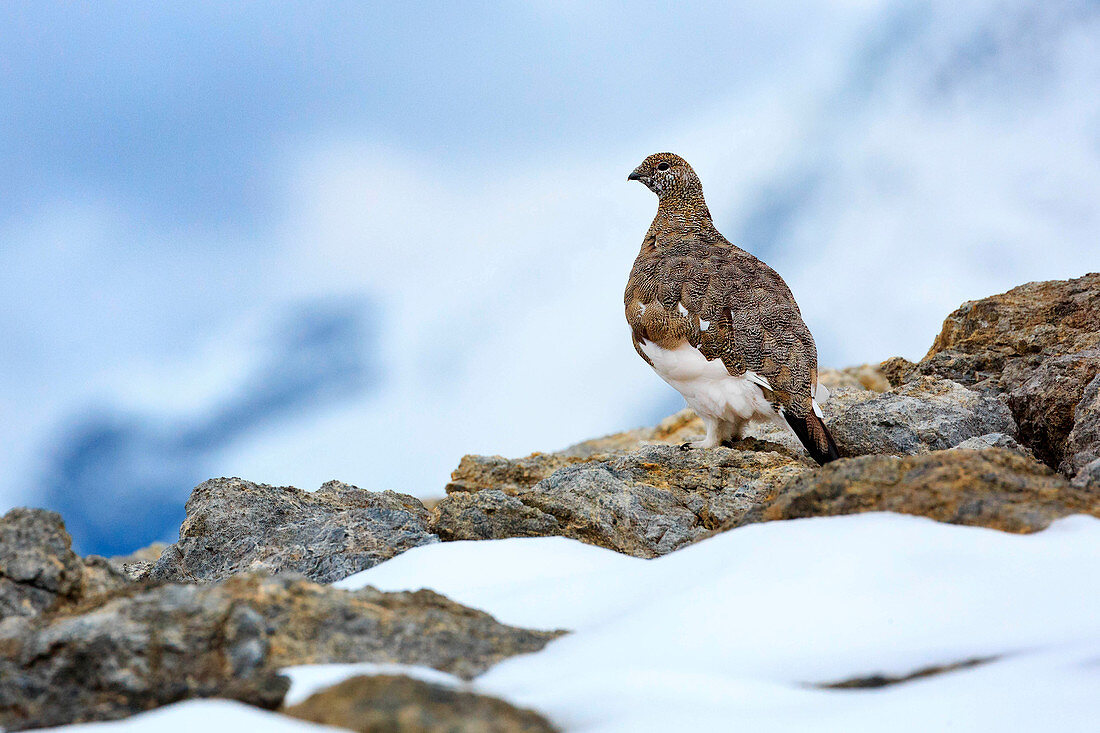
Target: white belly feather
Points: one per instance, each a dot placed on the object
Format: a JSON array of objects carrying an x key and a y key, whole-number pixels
[{"x": 707, "y": 387}]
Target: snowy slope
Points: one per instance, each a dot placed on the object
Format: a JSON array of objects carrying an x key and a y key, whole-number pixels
[{"x": 740, "y": 628}]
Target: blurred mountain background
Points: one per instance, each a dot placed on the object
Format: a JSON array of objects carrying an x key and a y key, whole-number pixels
[{"x": 295, "y": 242}]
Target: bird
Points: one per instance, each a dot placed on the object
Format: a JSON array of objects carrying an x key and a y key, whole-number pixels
[{"x": 717, "y": 324}]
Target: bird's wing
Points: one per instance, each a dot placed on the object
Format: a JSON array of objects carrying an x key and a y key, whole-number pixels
[{"x": 755, "y": 325}]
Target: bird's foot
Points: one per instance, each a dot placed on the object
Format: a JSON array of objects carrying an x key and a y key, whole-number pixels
[{"x": 701, "y": 443}]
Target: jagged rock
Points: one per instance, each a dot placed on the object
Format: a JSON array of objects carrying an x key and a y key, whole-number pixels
[
  {"x": 1037, "y": 343},
  {"x": 646, "y": 503},
  {"x": 1082, "y": 445},
  {"x": 675, "y": 429},
  {"x": 149, "y": 646},
  {"x": 1022, "y": 327},
  {"x": 995, "y": 440},
  {"x": 236, "y": 526},
  {"x": 919, "y": 416},
  {"x": 400, "y": 704},
  {"x": 136, "y": 565},
  {"x": 509, "y": 475},
  {"x": 38, "y": 568},
  {"x": 992, "y": 488},
  {"x": 489, "y": 514},
  {"x": 1045, "y": 400},
  {"x": 864, "y": 376},
  {"x": 1088, "y": 478}
]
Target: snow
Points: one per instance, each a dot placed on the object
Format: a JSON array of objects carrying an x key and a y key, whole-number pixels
[
  {"x": 307, "y": 679},
  {"x": 739, "y": 627},
  {"x": 209, "y": 716}
]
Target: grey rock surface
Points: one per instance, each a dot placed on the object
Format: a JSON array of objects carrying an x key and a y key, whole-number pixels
[
  {"x": 1036, "y": 344},
  {"x": 645, "y": 503},
  {"x": 38, "y": 568},
  {"x": 1088, "y": 478},
  {"x": 995, "y": 440},
  {"x": 1082, "y": 446},
  {"x": 991, "y": 488},
  {"x": 150, "y": 646},
  {"x": 923, "y": 415},
  {"x": 235, "y": 526},
  {"x": 1045, "y": 401}
]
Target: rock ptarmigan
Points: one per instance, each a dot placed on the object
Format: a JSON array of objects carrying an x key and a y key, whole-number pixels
[{"x": 716, "y": 323}]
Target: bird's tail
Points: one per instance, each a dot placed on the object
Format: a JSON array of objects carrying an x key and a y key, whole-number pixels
[{"x": 814, "y": 435}]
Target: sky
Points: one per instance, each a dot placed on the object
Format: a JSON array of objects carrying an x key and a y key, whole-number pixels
[{"x": 306, "y": 241}]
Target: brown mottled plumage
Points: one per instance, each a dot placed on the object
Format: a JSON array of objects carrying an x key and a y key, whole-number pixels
[{"x": 690, "y": 287}]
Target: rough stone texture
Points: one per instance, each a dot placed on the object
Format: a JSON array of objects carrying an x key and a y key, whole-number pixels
[
  {"x": 992, "y": 488},
  {"x": 488, "y": 514},
  {"x": 236, "y": 526},
  {"x": 1037, "y": 343},
  {"x": 38, "y": 568},
  {"x": 864, "y": 376},
  {"x": 647, "y": 503},
  {"x": 149, "y": 646},
  {"x": 995, "y": 440},
  {"x": 1088, "y": 478},
  {"x": 1044, "y": 400},
  {"x": 136, "y": 565},
  {"x": 400, "y": 704},
  {"x": 1027, "y": 324},
  {"x": 919, "y": 416},
  {"x": 1082, "y": 445},
  {"x": 510, "y": 475},
  {"x": 675, "y": 429}
]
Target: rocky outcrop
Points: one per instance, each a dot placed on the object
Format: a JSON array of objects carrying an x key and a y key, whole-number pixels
[
  {"x": 995, "y": 440},
  {"x": 1019, "y": 329},
  {"x": 1082, "y": 446},
  {"x": 39, "y": 570},
  {"x": 405, "y": 705},
  {"x": 991, "y": 488},
  {"x": 38, "y": 567},
  {"x": 646, "y": 503},
  {"x": 236, "y": 526},
  {"x": 1037, "y": 344},
  {"x": 1045, "y": 401},
  {"x": 923, "y": 415},
  {"x": 150, "y": 646}
]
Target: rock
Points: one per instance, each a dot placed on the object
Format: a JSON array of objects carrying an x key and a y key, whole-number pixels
[
  {"x": 995, "y": 440},
  {"x": 1082, "y": 446},
  {"x": 490, "y": 514},
  {"x": 864, "y": 376},
  {"x": 646, "y": 503},
  {"x": 992, "y": 488},
  {"x": 1038, "y": 344},
  {"x": 897, "y": 370},
  {"x": 102, "y": 577},
  {"x": 236, "y": 526},
  {"x": 1088, "y": 478},
  {"x": 402, "y": 704},
  {"x": 510, "y": 475},
  {"x": 675, "y": 429},
  {"x": 919, "y": 416},
  {"x": 1045, "y": 399},
  {"x": 136, "y": 565},
  {"x": 149, "y": 646},
  {"x": 38, "y": 568},
  {"x": 1022, "y": 327}
]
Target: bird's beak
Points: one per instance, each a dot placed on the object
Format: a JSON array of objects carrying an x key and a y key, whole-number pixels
[{"x": 636, "y": 175}]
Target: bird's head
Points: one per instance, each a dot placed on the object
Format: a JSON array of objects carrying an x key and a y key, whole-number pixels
[{"x": 668, "y": 175}]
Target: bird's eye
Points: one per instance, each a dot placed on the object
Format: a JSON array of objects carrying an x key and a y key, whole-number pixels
[{"x": 663, "y": 167}]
